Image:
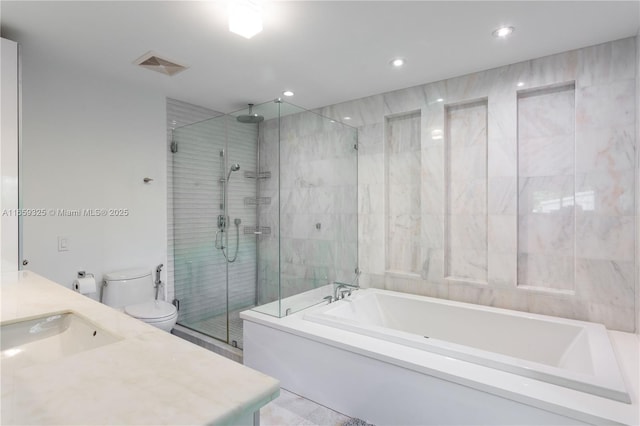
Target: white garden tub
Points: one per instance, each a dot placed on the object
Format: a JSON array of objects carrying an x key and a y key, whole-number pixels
[{"x": 572, "y": 354}]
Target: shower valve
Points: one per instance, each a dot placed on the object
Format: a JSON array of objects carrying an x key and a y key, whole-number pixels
[{"x": 222, "y": 222}]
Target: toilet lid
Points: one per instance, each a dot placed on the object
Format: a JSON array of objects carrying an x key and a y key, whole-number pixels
[{"x": 154, "y": 309}]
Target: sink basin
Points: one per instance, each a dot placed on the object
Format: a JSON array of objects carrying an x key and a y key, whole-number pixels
[{"x": 47, "y": 338}]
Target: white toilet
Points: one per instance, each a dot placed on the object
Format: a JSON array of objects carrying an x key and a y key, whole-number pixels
[{"x": 133, "y": 292}]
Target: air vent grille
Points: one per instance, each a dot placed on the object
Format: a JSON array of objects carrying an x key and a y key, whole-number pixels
[{"x": 152, "y": 61}]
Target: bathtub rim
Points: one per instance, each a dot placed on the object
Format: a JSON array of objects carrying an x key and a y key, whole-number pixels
[
  {"x": 607, "y": 382},
  {"x": 578, "y": 405}
]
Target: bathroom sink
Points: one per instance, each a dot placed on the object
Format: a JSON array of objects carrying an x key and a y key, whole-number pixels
[{"x": 49, "y": 337}]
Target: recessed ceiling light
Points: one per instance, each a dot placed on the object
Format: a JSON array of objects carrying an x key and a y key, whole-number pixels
[
  {"x": 346, "y": 118},
  {"x": 503, "y": 32},
  {"x": 287, "y": 93},
  {"x": 397, "y": 63},
  {"x": 520, "y": 84},
  {"x": 439, "y": 100}
]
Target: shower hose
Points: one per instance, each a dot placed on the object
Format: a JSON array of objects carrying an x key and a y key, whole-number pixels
[{"x": 235, "y": 254}]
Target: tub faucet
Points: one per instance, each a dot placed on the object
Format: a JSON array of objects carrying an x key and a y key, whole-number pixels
[
  {"x": 329, "y": 299},
  {"x": 341, "y": 289}
]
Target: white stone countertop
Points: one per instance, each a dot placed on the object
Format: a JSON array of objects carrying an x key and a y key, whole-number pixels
[{"x": 149, "y": 377}]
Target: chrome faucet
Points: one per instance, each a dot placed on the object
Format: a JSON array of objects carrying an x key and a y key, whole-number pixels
[
  {"x": 158, "y": 282},
  {"x": 341, "y": 289}
]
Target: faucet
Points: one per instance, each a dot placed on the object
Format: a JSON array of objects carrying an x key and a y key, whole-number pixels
[
  {"x": 341, "y": 289},
  {"x": 329, "y": 299},
  {"x": 158, "y": 282}
]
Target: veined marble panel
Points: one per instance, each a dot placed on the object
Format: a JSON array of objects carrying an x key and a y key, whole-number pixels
[
  {"x": 546, "y": 113},
  {"x": 467, "y": 264},
  {"x": 502, "y": 195},
  {"x": 361, "y": 112},
  {"x": 403, "y": 193},
  {"x": 502, "y": 269},
  {"x": 547, "y": 194},
  {"x": 432, "y": 163},
  {"x": 466, "y": 190},
  {"x": 553, "y": 234},
  {"x": 605, "y": 149},
  {"x": 467, "y": 197},
  {"x": 546, "y": 271},
  {"x": 546, "y": 203},
  {"x": 547, "y": 156},
  {"x": 608, "y": 62},
  {"x": 467, "y": 231},
  {"x": 605, "y": 237},
  {"x": 606, "y": 193},
  {"x": 404, "y": 100},
  {"x": 606, "y": 106},
  {"x": 371, "y": 199},
  {"x": 607, "y": 282},
  {"x": 371, "y": 139},
  {"x": 502, "y": 233}
]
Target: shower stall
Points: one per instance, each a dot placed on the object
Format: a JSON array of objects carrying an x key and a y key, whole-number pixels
[{"x": 263, "y": 210}]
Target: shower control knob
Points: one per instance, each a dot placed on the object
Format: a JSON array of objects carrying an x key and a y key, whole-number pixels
[{"x": 25, "y": 262}]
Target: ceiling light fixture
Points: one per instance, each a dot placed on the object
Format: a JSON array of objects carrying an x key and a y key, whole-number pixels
[
  {"x": 439, "y": 100},
  {"x": 397, "y": 63},
  {"x": 520, "y": 84},
  {"x": 287, "y": 93},
  {"x": 347, "y": 118},
  {"x": 503, "y": 32},
  {"x": 245, "y": 17}
]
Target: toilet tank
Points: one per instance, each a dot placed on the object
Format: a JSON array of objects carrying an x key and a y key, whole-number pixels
[{"x": 124, "y": 288}]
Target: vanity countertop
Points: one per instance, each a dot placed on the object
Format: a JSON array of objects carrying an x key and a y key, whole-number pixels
[{"x": 148, "y": 377}]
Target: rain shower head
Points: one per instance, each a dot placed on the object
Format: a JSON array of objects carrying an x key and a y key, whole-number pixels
[{"x": 250, "y": 118}]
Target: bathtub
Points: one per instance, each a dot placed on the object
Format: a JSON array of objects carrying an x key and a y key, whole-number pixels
[
  {"x": 573, "y": 354},
  {"x": 392, "y": 358}
]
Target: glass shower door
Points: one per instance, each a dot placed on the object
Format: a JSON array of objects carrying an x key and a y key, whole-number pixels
[{"x": 200, "y": 275}]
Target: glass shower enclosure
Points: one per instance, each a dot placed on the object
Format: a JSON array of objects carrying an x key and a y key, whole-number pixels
[{"x": 265, "y": 215}]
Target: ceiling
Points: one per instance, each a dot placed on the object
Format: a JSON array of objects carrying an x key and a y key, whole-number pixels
[{"x": 325, "y": 51}]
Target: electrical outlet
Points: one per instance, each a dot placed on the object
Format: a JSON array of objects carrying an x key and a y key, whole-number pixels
[{"x": 63, "y": 244}]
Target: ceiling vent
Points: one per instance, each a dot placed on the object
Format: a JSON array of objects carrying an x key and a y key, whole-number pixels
[{"x": 154, "y": 62}]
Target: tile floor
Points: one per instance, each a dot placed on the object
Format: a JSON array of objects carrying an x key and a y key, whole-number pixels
[
  {"x": 291, "y": 410},
  {"x": 217, "y": 326},
  {"x": 288, "y": 409}
]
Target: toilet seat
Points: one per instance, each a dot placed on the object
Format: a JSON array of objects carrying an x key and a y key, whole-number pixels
[{"x": 152, "y": 311}]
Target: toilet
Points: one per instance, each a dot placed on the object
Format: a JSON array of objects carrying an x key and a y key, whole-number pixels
[{"x": 133, "y": 292}]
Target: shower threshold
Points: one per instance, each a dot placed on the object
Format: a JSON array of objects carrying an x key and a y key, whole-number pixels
[{"x": 205, "y": 333}]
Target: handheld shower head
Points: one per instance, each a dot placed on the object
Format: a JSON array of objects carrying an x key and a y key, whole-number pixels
[{"x": 234, "y": 168}]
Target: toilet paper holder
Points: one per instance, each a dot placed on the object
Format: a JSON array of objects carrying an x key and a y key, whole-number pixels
[{"x": 83, "y": 274}]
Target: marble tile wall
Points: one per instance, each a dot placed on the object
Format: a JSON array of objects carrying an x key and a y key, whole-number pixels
[
  {"x": 546, "y": 184},
  {"x": 313, "y": 211},
  {"x": 403, "y": 171},
  {"x": 466, "y": 192},
  {"x": 602, "y": 79}
]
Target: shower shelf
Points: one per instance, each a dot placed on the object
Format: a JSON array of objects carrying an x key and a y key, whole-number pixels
[
  {"x": 261, "y": 175},
  {"x": 254, "y": 201},
  {"x": 257, "y": 230}
]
